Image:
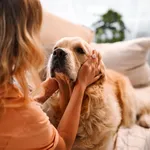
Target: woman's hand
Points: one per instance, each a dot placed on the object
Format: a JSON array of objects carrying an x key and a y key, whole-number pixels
[
  {"x": 89, "y": 72},
  {"x": 50, "y": 85},
  {"x": 65, "y": 89}
]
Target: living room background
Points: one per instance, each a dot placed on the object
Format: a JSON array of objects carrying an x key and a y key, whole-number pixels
[{"x": 135, "y": 13}]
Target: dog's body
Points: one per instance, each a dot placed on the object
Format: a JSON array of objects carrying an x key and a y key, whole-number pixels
[{"x": 107, "y": 104}]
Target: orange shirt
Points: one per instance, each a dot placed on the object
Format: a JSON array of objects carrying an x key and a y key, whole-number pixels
[{"x": 25, "y": 128}]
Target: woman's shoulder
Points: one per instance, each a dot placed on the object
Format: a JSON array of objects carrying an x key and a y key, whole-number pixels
[
  {"x": 28, "y": 123},
  {"x": 24, "y": 117},
  {"x": 32, "y": 112},
  {"x": 25, "y": 126},
  {"x": 17, "y": 109},
  {"x": 36, "y": 120}
]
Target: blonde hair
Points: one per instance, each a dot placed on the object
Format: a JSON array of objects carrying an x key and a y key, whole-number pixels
[{"x": 20, "y": 50}]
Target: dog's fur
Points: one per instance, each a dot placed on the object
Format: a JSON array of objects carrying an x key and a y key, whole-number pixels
[{"x": 107, "y": 104}]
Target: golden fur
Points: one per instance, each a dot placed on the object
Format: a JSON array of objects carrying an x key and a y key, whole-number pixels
[{"x": 107, "y": 104}]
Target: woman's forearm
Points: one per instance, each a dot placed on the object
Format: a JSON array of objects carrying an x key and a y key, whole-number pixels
[
  {"x": 63, "y": 104},
  {"x": 69, "y": 123}
]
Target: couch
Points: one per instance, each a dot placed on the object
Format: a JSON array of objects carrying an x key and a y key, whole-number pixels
[{"x": 127, "y": 57}]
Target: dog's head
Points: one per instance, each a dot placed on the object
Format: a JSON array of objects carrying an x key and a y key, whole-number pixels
[{"x": 68, "y": 55}]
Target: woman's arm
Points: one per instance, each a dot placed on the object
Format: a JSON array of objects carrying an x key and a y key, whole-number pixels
[
  {"x": 69, "y": 123},
  {"x": 50, "y": 85}
]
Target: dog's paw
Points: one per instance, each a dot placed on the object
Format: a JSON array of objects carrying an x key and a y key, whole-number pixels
[{"x": 144, "y": 121}]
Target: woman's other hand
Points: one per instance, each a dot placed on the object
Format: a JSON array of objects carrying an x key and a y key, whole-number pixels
[
  {"x": 50, "y": 85},
  {"x": 89, "y": 72}
]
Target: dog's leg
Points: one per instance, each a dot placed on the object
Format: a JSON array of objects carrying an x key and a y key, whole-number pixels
[
  {"x": 128, "y": 98},
  {"x": 133, "y": 105}
]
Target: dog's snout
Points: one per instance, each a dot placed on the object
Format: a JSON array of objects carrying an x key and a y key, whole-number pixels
[{"x": 59, "y": 53}]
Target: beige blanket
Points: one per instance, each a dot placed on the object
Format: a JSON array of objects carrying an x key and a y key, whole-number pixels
[{"x": 135, "y": 138}]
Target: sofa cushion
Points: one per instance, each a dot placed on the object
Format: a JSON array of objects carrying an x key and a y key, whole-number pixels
[
  {"x": 129, "y": 58},
  {"x": 55, "y": 28}
]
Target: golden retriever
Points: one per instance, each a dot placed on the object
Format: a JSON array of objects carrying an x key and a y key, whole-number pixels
[{"x": 107, "y": 104}]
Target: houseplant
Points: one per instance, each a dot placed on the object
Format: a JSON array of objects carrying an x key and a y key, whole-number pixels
[{"x": 110, "y": 27}]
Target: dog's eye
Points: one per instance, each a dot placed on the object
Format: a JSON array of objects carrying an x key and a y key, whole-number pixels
[
  {"x": 80, "y": 50},
  {"x": 55, "y": 48}
]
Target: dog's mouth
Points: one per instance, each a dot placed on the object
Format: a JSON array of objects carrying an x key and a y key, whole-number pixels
[
  {"x": 59, "y": 63},
  {"x": 57, "y": 68}
]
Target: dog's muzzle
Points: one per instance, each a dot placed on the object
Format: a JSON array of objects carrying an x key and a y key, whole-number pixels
[{"x": 58, "y": 61}]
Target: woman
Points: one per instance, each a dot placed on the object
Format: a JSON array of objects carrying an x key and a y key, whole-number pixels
[{"x": 23, "y": 125}]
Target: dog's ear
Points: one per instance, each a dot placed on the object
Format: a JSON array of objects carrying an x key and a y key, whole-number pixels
[{"x": 102, "y": 68}]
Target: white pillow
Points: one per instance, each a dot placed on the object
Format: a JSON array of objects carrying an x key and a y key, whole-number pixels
[{"x": 129, "y": 58}]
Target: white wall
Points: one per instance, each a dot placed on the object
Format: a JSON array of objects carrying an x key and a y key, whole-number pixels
[{"x": 136, "y": 13}]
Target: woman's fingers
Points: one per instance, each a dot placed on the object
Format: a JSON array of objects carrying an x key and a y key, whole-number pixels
[
  {"x": 94, "y": 63},
  {"x": 95, "y": 57},
  {"x": 97, "y": 63},
  {"x": 97, "y": 72},
  {"x": 96, "y": 78},
  {"x": 64, "y": 83},
  {"x": 61, "y": 78}
]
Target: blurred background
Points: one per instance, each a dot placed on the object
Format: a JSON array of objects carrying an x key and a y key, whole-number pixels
[{"x": 112, "y": 20}]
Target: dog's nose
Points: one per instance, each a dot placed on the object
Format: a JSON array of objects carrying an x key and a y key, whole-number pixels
[{"x": 59, "y": 53}]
